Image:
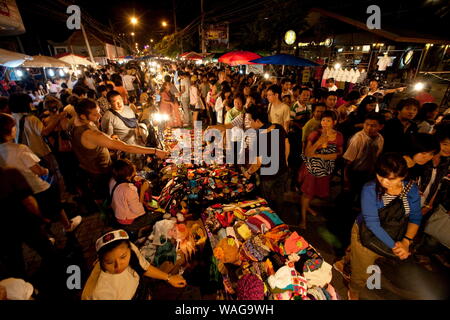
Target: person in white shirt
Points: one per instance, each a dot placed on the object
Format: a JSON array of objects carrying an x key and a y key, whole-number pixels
[
  {"x": 127, "y": 80},
  {"x": 278, "y": 111},
  {"x": 121, "y": 121},
  {"x": 90, "y": 81},
  {"x": 374, "y": 88},
  {"x": 222, "y": 103},
  {"x": 330, "y": 85},
  {"x": 286, "y": 88},
  {"x": 120, "y": 271},
  {"x": 20, "y": 157}
]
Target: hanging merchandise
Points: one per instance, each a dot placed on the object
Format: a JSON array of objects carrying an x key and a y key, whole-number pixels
[
  {"x": 384, "y": 62},
  {"x": 362, "y": 76}
]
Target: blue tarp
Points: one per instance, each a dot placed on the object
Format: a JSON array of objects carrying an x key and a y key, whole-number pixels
[{"x": 286, "y": 60}]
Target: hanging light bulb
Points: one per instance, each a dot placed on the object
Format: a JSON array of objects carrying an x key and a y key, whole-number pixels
[
  {"x": 19, "y": 73},
  {"x": 61, "y": 72},
  {"x": 419, "y": 86},
  {"x": 51, "y": 73}
]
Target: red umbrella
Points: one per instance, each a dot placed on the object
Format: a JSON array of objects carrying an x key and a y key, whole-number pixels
[
  {"x": 193, "y": 56},
  {"x": 185, "y": 54},
  {"x": 235, "y": 58}
]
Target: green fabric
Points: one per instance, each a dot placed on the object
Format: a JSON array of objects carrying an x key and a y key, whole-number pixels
[{"x": 233, "y": 113}]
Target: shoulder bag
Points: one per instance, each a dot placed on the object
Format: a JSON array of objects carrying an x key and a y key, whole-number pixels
[{"x": 393, "y": 220}]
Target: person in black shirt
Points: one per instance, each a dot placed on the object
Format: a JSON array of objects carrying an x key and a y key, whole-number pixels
[
  {"x": 273, "y": 148},
  {"x": 21, "y": 223},
  {"x": 398, "y": 130}
]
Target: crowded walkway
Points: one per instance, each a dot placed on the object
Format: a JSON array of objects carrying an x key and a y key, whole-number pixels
[{"x": 86, "y": 166}]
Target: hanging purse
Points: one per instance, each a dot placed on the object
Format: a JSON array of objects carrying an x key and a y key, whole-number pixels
[{"x": 393, "y": 220}]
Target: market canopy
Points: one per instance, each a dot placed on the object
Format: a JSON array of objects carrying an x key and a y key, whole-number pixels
[
  {"x": 286, "y": 60},
  {"x": 12, "y": 59},
  {"x": 236, "y": 58},
  {"x": 74, "y": 59},
  {"x": 45, "y": 62}
]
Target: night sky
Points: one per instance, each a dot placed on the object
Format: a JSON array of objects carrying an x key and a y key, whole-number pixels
[{"x": 45, "y": 19}]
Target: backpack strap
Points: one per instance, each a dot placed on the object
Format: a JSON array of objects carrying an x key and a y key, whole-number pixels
[
  {"x": 21, "y": 129},
  {"x": 406, "y": 189},
  {"x": 114, "y": 189},
  {"x": 129, "y": 122}
]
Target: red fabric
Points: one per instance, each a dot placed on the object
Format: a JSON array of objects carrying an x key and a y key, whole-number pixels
[
  {"x": 424, "y": 97},
  {"x": 317, "y": 186},
  {"x": 314, "y": 187},
  {"x": 171, "y": 110}
]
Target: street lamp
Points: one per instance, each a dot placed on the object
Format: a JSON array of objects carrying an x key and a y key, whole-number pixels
[
  {"x": 151, "y": 40},
  {"x": 134, "y": 21},
  {"x": 132, "y": 34},
  {"x": 164, "y": 24}
]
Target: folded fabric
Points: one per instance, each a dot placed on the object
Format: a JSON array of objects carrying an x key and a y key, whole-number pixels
[
  {"x": 320, "y": 277},
  {"x": 260, "y": 223},
  {"x": 281, "y": 279},
  {"x": 310, "y": 260},
  {"x": 227, "y": 251},
  {"x": 273, "y": 217},
  {"x": 299, "y": 283},
  {"x": 244, "y": 231},
  {"x": 254, "y": 251},
  {"x": 230, "y": 233},
  {"x": 295, "y": 243}
]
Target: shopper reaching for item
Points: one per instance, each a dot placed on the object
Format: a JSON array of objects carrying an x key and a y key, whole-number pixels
[{"x": 121, "y": 271}]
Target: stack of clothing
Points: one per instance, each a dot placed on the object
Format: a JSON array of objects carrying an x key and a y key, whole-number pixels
[{"x": 250, "y": 242}]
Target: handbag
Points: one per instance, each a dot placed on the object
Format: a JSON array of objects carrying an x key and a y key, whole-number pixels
[
  {"x": 319, "y": 167},
  {"x": 393, "y": 220},
  {"x": 438, "y": 226}
]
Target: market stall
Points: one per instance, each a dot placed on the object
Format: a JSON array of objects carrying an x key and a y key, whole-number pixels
[{"x": 254, "y": 253}]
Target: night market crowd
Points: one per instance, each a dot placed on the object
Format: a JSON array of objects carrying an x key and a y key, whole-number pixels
[{"x": 86, "y": 138}]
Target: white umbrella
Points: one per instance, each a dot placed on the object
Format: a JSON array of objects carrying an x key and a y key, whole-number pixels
[
  {"x": 76, "y": 60},
  {"x": 12, "y": 59},
  {"x": 44, "y": 62}
]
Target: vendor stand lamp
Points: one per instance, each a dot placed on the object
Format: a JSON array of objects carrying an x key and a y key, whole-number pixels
[
  {"x": 419, "y": 86},
  {"x": 19, "y": 73}
]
